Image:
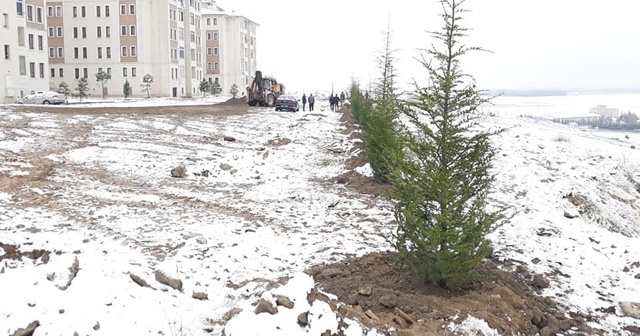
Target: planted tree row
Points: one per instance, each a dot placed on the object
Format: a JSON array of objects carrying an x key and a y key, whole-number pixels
[{"x": 436, "y": 159}]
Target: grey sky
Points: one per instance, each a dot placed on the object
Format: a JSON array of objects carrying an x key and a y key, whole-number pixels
[{"x": 536, "y": 44}]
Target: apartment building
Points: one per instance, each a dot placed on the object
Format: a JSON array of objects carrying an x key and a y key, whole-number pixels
[
  {"x": 231, "y": 51},
  {"x": 127, "y": 39},
  {"x": 177, "y": 42},
  {"x": 24, "y": 63}
]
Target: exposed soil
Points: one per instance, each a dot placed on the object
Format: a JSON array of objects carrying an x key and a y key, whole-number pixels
[
  {"x": 508, "y": 301},
  {"x": 357, "y": 157},
  {"x": 13, "y": 252},
  {"x": 230, "y": 107}
]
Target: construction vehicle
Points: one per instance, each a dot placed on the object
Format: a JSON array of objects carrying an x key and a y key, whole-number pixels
[{"x": 263, "y": 91}]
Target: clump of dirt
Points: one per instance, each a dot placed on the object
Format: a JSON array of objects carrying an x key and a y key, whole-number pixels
[
  {"x": 278, "y": 142},
  {"x": 363, "y": 184},
  {"x": 235, "y": 101},
  {"x": 507, "y": 301},
  {"x": 13, "y": 252}
]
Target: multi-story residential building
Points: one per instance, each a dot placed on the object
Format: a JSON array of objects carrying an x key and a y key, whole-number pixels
[
  {"x": 127, "y": 39},
  {"x": 24, "y": 62},
  {"x": 65, "y": 40},
  {"x": 230, "y": 47}
]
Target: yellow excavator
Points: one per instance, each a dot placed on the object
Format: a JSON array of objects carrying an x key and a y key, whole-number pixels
[{"x": 264, "y": 91}]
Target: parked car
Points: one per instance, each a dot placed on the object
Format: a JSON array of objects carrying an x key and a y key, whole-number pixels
[
  {"x": 43, "y": 97},
  {"x": 287, "y": 102}
]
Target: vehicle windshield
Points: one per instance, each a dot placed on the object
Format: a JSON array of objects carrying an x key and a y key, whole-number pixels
[{"x": 287, "y": 98}]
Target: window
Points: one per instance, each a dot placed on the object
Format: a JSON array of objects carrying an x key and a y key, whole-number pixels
[
  {"x": 83, "y": 10},
  {"x": 75, "y": 52},
  {"x": 7, "y": 51},
  {"x": 124, "y": 72},
  {"x": 181, "y": 16},
  {"x": 52, "y": 52},
  {"x": 181, "y": 52},
  {"x": 20, "y": 7},
  {"x": 32, "y": 69},
  {"x": 108, "y": 52},
  {"x": 75, "y": 12},
  {"x": 107, "y": 31},
  {"x": 208, "y": 21},
  {"x": 50, "y": 11},
  {"x": 21, "y": 36},
  {"x": 133, "y": 72},
  {"x": 209, "y": 36},
  {"x": 53, "y": 72},
  {"x": 58, "y": 11},
  {"x": 192, "y": 36},
  {"x": 31, "y": 41},
  {"x": 216, "y": 66},
  {"x": 30, "y": 13},
  {"x": 109, "y": 73},
  {"x": 52, "y": 32},
  {"x": 123, "y": 9},
  {"x": 60, "y": 73},
  {"x": 99, "y": 52},
  {"x": 132, "y": 9},
  {"x": 39, "y": 18},
  {"x": 6, "y": 19},
  {"x": 132, "y": 30},
  {"x": 123, "y": 30},
  {"x": 84, "y": 52},
  {"x": 85, "y": 72},
  {"x": 41, "y": 68},
  {"x": 181, "y": 34},
  {"x": 215, "y": 36},
  {"x": 124, "y": 51},
  {"x": 59, "y": 29},
  {"x": 215, "y": 51},
  {"x": 209, "y": 66},
  {"x": 98, "y": 12},
  {"x": 215, "y": 21},
  {"x": 209, "y": 51},
  {"x": 107, "y": 13},
  {"x": 98, "y": 32},
  {"x": 23, "y": 65},
  {"x": 77, "y": 73},
  {"x": 75, "y": 32},
  {"x": 60, "y": 53},
  {"x": 84, "y": 32},
  {"x": 133, "y": 51}
]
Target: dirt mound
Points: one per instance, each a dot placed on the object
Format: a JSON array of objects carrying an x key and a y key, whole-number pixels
[
  {"x": 235, "y": 101},
  {"x": 507, "y": 301}
]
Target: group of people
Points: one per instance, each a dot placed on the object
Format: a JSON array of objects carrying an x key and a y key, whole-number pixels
[
  {"x": 311, "y": 100},
  {"x": 335, "y": 101}
]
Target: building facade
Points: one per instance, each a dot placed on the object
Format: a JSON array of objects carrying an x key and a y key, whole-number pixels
[
  {"x": 24, "y": 64},
  {"x": 231, "y": 50}
]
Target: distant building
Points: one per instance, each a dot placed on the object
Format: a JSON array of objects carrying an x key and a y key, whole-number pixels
[
  {"x": 230, "y": 47},
  {"x": 604, "y": 111},
  {"x": 23, "y": 67}
]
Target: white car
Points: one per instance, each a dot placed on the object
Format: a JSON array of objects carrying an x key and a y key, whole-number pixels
[{"x": 43, "y": 97}]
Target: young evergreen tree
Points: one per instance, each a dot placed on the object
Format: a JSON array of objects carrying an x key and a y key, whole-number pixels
[
  {"x": 103, "y": 78},
  {"x": 234, "y": 90},
  {"x": 379, "y": 127},
  {"x": 63, "y": 88},
  {"x": 126, "y": 89},
  {"x": 443, "y": 180},
  {"x": 204, "y": 86},
  {"x": 82, "y": 88},
  {"x": 216, "y": 89},
  {"x": 147, "y": 81}
]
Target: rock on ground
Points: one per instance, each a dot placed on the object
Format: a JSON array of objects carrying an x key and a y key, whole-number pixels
[
  {"x": 168, "y": 280},
  {"x": 631, "y": 309},
  {"x": 179, "y": 171},
  {"x": 28, "y": 331}
]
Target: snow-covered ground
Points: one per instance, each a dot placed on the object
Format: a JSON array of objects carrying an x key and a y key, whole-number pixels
[{"x": 251, "y": 211}]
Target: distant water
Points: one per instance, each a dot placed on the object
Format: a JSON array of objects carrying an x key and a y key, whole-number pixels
[{"x": 561, "y": 106}]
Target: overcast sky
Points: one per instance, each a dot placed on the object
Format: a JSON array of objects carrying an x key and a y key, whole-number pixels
[{"x": 541, "y": 44}]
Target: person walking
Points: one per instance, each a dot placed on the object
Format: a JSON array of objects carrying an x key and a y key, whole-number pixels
[
  {"x": 331, "y": 102},
  {"x": 342, "y": 97},
  {"x": 304, "y": 101},
  {"x": 312, "y": 100}
]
